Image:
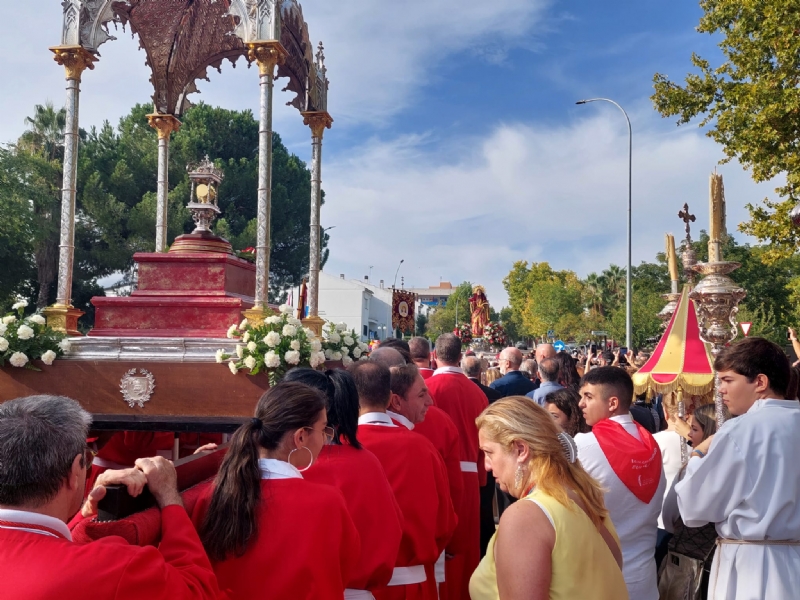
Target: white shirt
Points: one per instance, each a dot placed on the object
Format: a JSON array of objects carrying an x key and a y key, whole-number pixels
[
  {"x": 749, "y": 486},
  {"x": 17, "y": 519},
  {"x": 376, "y": 418},
  {"x": 636, "y": 522},
  {"x": 448, "y": 371},
  {"x": 400, "y": 419},
  {"x": 272, "y": 468},
  {"x": 670, "y": 444}
]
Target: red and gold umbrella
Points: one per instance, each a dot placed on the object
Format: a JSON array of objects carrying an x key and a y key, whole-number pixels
[{"x": 681, "y": 362}]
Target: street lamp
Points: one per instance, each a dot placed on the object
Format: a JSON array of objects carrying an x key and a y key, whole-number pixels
[
  {"x": 402, "y": 260},
  {"x": 628, "y": 326}
]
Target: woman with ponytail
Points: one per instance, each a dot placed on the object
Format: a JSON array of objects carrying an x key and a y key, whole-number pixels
[
  {"x": 360, "y": 477},
  {"x": 266, "y": 529},
  {"x": 559, "y": 543}
]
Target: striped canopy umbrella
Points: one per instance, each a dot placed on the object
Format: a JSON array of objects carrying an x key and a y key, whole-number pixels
[{"x": 681, "y": 362}]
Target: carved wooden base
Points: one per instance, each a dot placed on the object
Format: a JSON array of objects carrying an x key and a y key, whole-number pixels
[
  {"x": 63, "y": 318},
  {"x": 314, "y": 324},
  {"x": 256, "y": 316}
]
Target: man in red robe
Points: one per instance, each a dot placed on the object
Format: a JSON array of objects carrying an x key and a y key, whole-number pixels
[
  {"x": 463, "y": 401},
  {"x": 418, "y": 478},
  {"x": 412, "y": 406},
  {"x": 420, "y": 349},
  {"x": 44, "y": 464}
]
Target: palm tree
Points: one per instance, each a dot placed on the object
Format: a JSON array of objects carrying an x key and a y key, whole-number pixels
[
  {"x": 615, "y": 277},
  {"x": 596, "y": 292},
  {"x": 45, "y": 134}
]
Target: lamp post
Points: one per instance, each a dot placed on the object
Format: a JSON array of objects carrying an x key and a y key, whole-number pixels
[
  {"x": 402, "y": 260},
  {"x": 628, "y": 326}
]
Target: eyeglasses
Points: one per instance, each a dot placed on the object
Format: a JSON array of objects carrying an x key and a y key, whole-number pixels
[{"x": 327, "y": 432}]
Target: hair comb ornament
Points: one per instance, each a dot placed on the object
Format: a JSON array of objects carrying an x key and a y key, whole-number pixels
[{"x": 569, "y": 446}]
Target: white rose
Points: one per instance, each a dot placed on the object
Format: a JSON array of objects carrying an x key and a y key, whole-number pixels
[
  {"x": 24, "y": 332},
  {"x": 252, "y": 346},
  {"x": 364, "y": 357},
  {"x": 232, "y": 366},
  {"x": 38, "y": 319},
  {"x": 295, "y": 345},
  {"x": 239, "y": 350},
  {"x": 246, "y": 337},
  {"x": 316, "y": 345},
  {"x": 317, "y": 359},
  {"x": 292, "y": 357},
  {"x": 219, "y": 355},
  {"x": 3, "y": 328},
  {"x": 48, "y": 357},
  {"x": 231, "y": 331},
  {"x": 273, "y": 319},
  {"x": 18, "y": 359},
  {"x": 336, "y": 356},
  {"x": 272, "y": 360},
  {"x": 335, "y": 338},
  {"x": 250, "y": 362},
  {"x": 364, "y": 347},
  {"x": 289, "y": 330},
  {"x": 3, "y": 344},
  {"x": 293, "y": 321},
  {"x": 309, "y": 333},
  {"x": 9, "y": 319},
  {"x": 341, "y": 327},
  {"x": 285, "y": 309},
  {"x": 329, "y": 354},
  {"x": 243, "y": 324},
  {"x": 357, "y": 352},
  {"x": 65, "y": 345},
  {"x": 348, "y": 341},
  {"x": 347, "y": 361},
  {"x": 19, "y": 304},
  {"x": 272, "y": 339},
  {"x": 345, "y": 351}
]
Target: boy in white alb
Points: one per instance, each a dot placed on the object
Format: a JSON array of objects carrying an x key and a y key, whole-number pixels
[
  {"x": 746, "y": 478},
  {"x": 626, "y": 461}
]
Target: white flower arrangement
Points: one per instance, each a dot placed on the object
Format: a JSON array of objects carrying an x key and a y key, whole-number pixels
[
  {"x": 343, "y": 345},
  {"x": 275, "y": 346},
  {"x": 24, "y": 340}
]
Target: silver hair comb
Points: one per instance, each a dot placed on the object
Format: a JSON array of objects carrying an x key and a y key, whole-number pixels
[{"x": 569, "y": 446}]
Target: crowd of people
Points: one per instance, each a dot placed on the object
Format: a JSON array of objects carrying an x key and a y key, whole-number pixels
[{"x": 420, "y": 474}]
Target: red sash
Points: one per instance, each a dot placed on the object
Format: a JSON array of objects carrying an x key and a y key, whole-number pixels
[{"x": 637, "y": 464}]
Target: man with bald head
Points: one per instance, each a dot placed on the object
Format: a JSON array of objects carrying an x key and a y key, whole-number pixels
[
  {"x": 388, "y": 357},
  {"x": 513, "y": 382},
  {"x": 544, "y": 351}
]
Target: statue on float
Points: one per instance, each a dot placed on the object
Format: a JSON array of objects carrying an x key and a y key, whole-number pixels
[{"x": 479, "y": 306}]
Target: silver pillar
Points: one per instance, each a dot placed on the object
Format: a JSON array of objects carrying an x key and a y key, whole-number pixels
[
  {"x": 66, "y": 246},
  {"x": 314, "y": 238},
  {"x": 264, "y": 189},
  {"x": 162, "y": 193}
]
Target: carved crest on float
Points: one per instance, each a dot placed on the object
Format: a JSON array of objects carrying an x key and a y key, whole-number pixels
[{"x": 137, "y": 389}]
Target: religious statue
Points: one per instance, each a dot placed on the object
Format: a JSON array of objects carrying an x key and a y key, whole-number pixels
[{"x": 479, "y": 306}]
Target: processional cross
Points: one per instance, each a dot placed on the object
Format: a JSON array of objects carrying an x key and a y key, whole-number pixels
[{"x": 687, "y": 218}]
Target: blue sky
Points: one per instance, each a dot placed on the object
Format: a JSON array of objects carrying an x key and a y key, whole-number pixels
[{"x": 457, "y": 145}]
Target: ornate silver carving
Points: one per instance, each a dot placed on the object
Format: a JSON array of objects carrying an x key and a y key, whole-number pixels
[
  {"x": 318, "y": 83},
  {"x": 137, "y": 389},
  {"x": 299, "y": 63},
  {"x": 203, "y": 203},
  {"x": 264, "y": 207},
  {"x": 256, "y": 20},
  {"x": 314, "y": 241}
]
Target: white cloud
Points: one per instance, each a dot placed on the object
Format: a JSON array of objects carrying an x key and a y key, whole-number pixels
[{"x": 524, "y": 192}]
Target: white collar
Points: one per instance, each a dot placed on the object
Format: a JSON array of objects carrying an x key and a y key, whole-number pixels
[
  {"x": 400, "y": 419},
  {"x": 376, "y": 418},
  {"x": 626, "y": 418},
  {"x": 444, "y": 370},
  {"x": 758, "y": 404},
  {"x": 17, "y": 519},
  {"x": 272, "y": 468}
]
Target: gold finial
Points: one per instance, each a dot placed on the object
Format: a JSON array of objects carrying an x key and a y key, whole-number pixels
[
  {"x": 163, "y": 124},
  {"x": 74, "y": 59},
  {"x": 267, "y": 55},
  {"x": 318, "y": 121}
]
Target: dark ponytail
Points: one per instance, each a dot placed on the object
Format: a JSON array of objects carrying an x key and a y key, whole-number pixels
[
  {"x": 342, "y": 395},
  {"x": 230, "y": 522}
]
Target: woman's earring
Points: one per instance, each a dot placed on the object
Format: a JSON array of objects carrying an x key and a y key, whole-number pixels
[{"x": 310, "y": 459}]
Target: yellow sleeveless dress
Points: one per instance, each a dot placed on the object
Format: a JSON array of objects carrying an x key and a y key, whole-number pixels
[{"x": 582, "y": 564}]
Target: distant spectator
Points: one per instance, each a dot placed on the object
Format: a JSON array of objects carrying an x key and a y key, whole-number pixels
[
  {"x": 548, "y": 374},
  {"x": 529, "y": 369},
  {"x": 512, "y": 383},
  {"x": 568, "y": 375},
  {"x": 400, "y": 345},
  {"x": 563, "y": 405}
]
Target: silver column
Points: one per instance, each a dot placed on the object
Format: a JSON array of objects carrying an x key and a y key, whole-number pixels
[{"x": 164, "y": 124}]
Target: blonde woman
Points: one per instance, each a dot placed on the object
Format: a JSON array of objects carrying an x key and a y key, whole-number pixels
[
  {"x": 559, "y": 543},
  {"x": 492, "y": 374}
]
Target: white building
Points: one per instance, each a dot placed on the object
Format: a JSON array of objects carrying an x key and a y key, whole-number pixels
[{"x": 359, "y": 304}]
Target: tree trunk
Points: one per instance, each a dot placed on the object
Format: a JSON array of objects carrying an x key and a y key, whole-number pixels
[{"x": 47, "y": 269}]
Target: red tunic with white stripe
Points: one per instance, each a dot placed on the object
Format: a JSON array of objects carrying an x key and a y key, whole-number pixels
[
  {"x": 463, "y": 401},
  {"x": 306, "y": 546},
  {"x": 418, "y": 478},
  {"x": 359, "y": 476},
  {"x": 39, "y": 561}
]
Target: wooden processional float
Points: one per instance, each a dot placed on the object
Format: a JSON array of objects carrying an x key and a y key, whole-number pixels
[{"x": 149, "y": 363}]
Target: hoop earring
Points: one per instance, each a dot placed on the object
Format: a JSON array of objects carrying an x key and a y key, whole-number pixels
[{"x": 310, "y": 462}]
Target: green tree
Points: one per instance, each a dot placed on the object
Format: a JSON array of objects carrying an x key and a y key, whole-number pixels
[
  {"x": 645, "y": 306},
  {"x": 443, "y": 318},
  {"x": 750, "y": 103}
]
